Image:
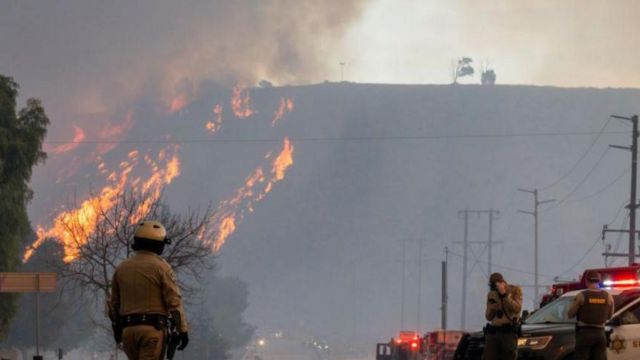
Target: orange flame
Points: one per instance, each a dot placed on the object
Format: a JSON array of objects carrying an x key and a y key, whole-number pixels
[
  {"x": 241, "y": 102},
  {"x": 113, "y": 132},
  {"x": 286, "y": 106},
  {"x": 214, "y": 125},
  {"x": 230, "y": 213},
  {"x": 73, "y": 228},
  {"x": 77, "y": 138},
  {"x": 177, "y": 104}
]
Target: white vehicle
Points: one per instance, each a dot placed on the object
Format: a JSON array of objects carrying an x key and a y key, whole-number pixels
[
  {"x": 623, "y": 331},
  {"x": 548, "y": 333}
]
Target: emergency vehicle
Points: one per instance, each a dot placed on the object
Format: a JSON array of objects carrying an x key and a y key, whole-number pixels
[
  {"x": 407, "y": 346},
  {"x": 435, "y": 345},
  {"x": 631, "y": 272},
  {"x": 549, "y": 335}
]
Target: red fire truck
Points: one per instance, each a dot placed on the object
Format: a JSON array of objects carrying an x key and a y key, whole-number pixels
[
  {"x": 614, "y": 276},
  {"x": 407, "y": 346},
  {"x": 435, "y": 345}
]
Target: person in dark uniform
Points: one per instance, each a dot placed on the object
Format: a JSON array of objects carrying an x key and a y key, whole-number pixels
[
  {"x": 144, "y": 294},
  {"x": 504, "y": 303},
  {"x": 592, "y": 307}
]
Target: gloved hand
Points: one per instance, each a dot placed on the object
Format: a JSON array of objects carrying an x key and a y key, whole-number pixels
[{"x": 183, "y": 340}]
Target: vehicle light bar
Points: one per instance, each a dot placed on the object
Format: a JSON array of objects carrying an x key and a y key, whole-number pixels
[{"x": 622, "y": 282}]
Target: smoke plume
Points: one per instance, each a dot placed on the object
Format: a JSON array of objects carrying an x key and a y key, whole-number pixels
[{"x": 89, "y": 56}]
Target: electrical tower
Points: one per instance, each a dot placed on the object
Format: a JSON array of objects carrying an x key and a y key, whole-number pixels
[{"x": 465, "y": 245}]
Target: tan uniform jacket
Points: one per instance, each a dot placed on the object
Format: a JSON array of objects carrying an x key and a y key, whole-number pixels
[
  {"x": 510, "y": 304},
  {"x": 578, "y": 301},
  {"x": 146, "y": 284}
]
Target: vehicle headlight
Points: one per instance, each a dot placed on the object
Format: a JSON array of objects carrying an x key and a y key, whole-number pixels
[{"x": 535, "y": 343}]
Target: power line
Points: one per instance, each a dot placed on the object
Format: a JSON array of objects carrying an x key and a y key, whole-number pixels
[
  {"x": 505, "y": 267},
  {"x": 595, "y": 242},
  {"x": 582, "y": 157},
  {"x": 583, "y": 256},
  {"x": 561, "y": 201},
  {"x": 330, "y": 138},
  {"x": 586, "y": 197}
]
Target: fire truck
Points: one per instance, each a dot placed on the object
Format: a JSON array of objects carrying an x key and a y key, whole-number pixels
[
  {"x": 407, "y": 346},
  {"x": 435, "y": 345},
  {"x": 627, "y": 275}
]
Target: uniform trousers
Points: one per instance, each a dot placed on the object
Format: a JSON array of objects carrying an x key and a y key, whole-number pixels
[
  {"x": 500, "y": 346},
  {"x": 143, "y": 342},
  {"x": 591, "y": 344}
]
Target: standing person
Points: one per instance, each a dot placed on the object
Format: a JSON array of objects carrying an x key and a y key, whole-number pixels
[
  {"x": 504, "y": 303},
  {"x": 592, "y": 307},
  {"x": 144, "y": 294}
]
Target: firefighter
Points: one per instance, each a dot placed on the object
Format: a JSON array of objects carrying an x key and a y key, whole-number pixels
[
  {"x": 145, "y": 296},
  {"x": 504, "y": 303},
  {"x": 592, "y": 307}
]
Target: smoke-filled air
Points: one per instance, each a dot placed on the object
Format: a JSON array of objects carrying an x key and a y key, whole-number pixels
[{"x": 315, "y": 179}]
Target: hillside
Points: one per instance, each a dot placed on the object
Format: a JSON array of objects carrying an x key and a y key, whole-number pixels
[{"x": 376, "y": 165}]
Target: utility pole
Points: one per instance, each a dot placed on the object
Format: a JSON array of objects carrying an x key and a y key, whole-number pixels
[
  {"x": 607, "y": 254},
  {"x": 490, "y": 242},
  {"x": 443, "y": 307},
  {"x": 342, "y": 64},
  {"x": 634, "y": 170},
  {"x": 419, "y": 283},
  {"x": 404, "y": 266},
  {"x": 536, "y": 204},
  {"x": 463, "y": 315},
  {"x": 465, "y": 245}
]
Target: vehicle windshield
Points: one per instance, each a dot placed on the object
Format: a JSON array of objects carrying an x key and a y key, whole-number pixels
[{"x": 556, "y": 312}]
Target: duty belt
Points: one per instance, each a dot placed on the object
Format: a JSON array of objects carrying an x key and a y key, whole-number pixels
[
  {"x": 156, "y": 320},
  {"x": 504, "y": 329}
]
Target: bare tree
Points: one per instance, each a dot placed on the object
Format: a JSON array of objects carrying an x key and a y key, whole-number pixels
[
  {"x": 97, "y": 252},
  {"x": 488, "y": 75}
]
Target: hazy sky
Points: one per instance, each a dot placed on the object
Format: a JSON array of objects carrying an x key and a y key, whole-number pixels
[
  {"x": 544, "y": 42},
  {"x": 93, "y": 56}
]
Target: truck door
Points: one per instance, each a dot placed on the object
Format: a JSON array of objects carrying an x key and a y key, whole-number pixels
[{"x": 624, "y": 334}]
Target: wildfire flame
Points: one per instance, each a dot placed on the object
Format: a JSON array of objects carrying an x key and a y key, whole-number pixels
[
  {"x": 286, "y": 106},
  {"x": 73, "y": 228},
  {"x": 214, "y": 125},
  {"x": 114, "y": 132},
  {"x": 177, "y": 104},
  {"x": 77, "y": 138},
  {"x": 241, "y": 102},
  {"x": 230, "y": 212}
]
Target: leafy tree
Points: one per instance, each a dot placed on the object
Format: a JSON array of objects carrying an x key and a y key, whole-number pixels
[
  {"x": 462, "y": 68},
  {"x": 21, "y": 137}
]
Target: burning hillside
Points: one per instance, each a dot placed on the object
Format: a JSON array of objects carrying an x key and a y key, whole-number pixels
[{"x": 146, "y": 173}]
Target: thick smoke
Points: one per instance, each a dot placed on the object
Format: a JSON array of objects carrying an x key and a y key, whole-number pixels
[{"x": 89, "y": 56}]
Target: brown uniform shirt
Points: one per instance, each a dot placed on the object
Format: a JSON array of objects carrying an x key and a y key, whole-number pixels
[
  {"x": 510, "y": 304},
  {"x": 578, "y": 301},
  {"x": 146, "y": 284}
]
